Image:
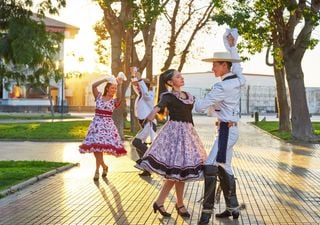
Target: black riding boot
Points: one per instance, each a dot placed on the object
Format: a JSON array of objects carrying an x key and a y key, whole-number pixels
[
  {"x": 228, "y": 186},
  {"x": 210, "y": 181},
  {"x": 140, "y": 147}
]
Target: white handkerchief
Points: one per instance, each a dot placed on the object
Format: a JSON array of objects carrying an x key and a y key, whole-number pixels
[
  {"x": 122, "y": 76},
  {"x": 111, "y": 79},
  {"x": 234, "y": 33}
]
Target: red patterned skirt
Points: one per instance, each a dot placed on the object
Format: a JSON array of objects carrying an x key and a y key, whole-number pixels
[{"x": 103, "y": 136}]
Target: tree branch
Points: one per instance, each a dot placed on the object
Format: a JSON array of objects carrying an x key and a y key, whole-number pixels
[
  {"x": 267, "y": 57},
  {"x": 201, "y": 23}
]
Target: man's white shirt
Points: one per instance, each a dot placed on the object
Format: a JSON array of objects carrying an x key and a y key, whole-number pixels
[{"x": 224, "y": 97}]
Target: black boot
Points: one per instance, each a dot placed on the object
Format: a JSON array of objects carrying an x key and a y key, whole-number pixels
[
  {"x": 228, "y": 186},
  {"x": 210, "y": 183},
  {"x": 205, "y": 218},
  {"x": 145, "y": 174},
  {"x": 234, "y": 213},
  {"x": 140, "y": 147}
]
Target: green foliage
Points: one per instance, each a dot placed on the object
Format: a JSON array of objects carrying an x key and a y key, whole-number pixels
[
  {"x": 27, "y": 51},
  {"x": 258, "y": 22},
  {"x": 14, "y": 172},
  {"x": 312, "y": 43},
  {"x": 101, "y": 43},
  {"x": 278, "y": 58},
  {"x": 145, "y": 12},
  {"x": 253, "y": 31},
  {"x": 142, "y": 14},
  {"x": 316, "y": 128}
]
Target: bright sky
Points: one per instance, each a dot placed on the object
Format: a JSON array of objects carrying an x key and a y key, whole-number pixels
[{"x": 84, "y": 13}]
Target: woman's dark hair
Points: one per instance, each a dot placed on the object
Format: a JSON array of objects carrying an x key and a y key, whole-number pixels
[
  {"x": 162, "y": 83},
  {"x": 162, "y": 86},
  {"x": 106, "y": 89}
]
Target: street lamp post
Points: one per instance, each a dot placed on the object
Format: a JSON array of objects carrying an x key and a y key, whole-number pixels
[
  {"x": 62, "y": 88},
  {"x": 62, "y": 93}
]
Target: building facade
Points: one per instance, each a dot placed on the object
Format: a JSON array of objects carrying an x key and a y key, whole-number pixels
[
  {"x": 258, "y": 95},
  {"x": 26, "y": 98}
]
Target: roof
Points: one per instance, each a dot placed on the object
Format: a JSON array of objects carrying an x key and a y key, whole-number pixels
[{"x": 53, "y": 25}]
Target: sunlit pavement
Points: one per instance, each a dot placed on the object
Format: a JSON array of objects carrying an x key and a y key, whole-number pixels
[{"x": 278, "y": 182}]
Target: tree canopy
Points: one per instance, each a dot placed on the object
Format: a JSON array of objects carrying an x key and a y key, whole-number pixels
[
  {"x": 287, "y": 27},
  {"x": 27, "y": 50}
]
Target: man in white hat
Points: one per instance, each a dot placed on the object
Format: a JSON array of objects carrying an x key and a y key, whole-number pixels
[{"x": 224, "y": 98}]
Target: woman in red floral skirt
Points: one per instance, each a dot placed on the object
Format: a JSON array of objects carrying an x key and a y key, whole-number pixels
[{"x": 103, "y": 136}]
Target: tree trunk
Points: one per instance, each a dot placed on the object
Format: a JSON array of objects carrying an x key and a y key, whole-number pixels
[
  {"x": 148, "y": 37},
  {"x": 171, "y": 55},
  {"x": 116, "y": 67},
  {"x": 129, "y": 61},
  {"x": 300, "y": 118},
  {"x": 119, "y": 25},
  {"x": 279, "y": 73},
  {"x": 50, "y": 101},
  {"x": 282, "y": 101}
]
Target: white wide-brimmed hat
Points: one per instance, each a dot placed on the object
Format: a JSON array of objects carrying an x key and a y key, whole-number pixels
[{"x": 222, "y": 57}]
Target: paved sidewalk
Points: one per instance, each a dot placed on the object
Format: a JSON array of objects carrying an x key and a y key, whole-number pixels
[{"x": 278, "y": 182}]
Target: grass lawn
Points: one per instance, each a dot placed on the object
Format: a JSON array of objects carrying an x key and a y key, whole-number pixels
[
  {"x": 273, "y": 128},
  {"x": 14, "y": 172},
  {"x": 34, "y": 117},
  {"x": 68, "y": 130}
]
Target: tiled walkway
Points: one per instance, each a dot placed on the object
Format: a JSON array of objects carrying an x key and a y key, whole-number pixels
[{"x": 279, "y": 183}]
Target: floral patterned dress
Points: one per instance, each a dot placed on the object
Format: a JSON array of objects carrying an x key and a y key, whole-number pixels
[
  {"x": 177, "y": 152},
  {"x": 103, "y": 135}
]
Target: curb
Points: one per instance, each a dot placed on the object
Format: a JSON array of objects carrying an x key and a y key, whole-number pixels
[{"x": 35, "y": 179}]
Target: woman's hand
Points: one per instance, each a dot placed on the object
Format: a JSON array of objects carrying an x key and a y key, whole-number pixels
[{"x": 119, "y": 80}]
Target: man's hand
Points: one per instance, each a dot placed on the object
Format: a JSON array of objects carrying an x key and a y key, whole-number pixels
[
  {"x": 230, "y": 40},
  {"x": 133, "y": 70},
  {"x": 138, "y": 75}
]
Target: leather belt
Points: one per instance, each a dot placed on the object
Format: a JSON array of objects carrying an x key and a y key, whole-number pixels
[{"x": 229, "y": 124}]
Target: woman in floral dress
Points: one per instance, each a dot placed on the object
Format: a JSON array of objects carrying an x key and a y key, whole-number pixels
[
  {"x": 177, "y": 152},
  {"x": 103, "y": 136}
]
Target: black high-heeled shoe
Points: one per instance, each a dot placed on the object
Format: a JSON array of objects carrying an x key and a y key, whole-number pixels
[
  {"x": 185, "y": 214},
  {"x": 157, "y": 207}
]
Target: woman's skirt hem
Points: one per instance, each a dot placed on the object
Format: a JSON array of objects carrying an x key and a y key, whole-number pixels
[
  {"x": 190, "y": 173},
  {"x": 106, "y": 149}
]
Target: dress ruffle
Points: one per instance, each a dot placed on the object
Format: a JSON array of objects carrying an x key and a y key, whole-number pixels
[
  {"x": 177, "y": 153},
  {"x": 172, "y": 173},
  {"x": 107, "y": 149}
]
